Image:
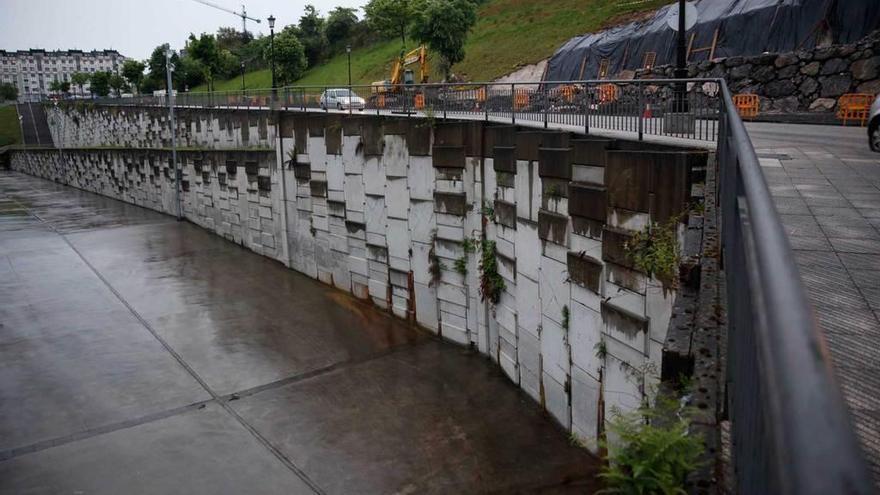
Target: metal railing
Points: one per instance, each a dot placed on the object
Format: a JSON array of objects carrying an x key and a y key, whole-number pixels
[
  {"x": 639, "y": 107},
  {"x": 790, "y": 429}
]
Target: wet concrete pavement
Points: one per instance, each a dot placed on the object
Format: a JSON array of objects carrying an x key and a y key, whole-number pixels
[{"x": 143, "y": 355}]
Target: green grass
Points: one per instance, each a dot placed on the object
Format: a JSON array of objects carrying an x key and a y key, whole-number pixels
[
  {"x": 10, "y": 130},
  {"x": 509, "y": 34}
]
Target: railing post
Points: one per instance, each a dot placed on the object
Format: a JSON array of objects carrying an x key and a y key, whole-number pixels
[
  {"x": 641, "y": 111},
  {"x": 546, "y": 104},
  {"x": 445, "y": 98},
  {"x": 513, "y": 103},
  {"x": 486, "y": 101},
  {"x": 587, "y": 103}
]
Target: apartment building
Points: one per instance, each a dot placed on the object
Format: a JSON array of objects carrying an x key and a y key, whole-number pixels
[{"x": 32, "y": 71}]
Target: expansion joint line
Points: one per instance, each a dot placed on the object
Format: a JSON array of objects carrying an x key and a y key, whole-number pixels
[{"x": 215, "y": 397}]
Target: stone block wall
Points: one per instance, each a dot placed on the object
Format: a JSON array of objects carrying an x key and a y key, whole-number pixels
[
  {"x": 78, "y": 125},
  {"x": 390, "y": 210},
  {"x": 801, "y": 81},
  {"x": 234, "y": 194}
]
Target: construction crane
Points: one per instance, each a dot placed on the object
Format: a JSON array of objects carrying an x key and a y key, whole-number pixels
[{"x": 242, "y": 14}]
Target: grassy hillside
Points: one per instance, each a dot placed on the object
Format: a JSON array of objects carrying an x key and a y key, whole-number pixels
[
  {"x": 10, "y": 130},
  {"x": 508, "y": 35}
]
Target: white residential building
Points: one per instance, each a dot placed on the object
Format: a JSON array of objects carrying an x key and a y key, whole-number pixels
[{"x": 32, "y": 71}]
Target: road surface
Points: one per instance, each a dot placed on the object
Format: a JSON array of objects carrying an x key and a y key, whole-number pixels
[{"x": 143, "y": 355}]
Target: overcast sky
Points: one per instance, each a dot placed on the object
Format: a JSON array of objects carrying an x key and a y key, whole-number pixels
[{"x": 135, "y": 27}]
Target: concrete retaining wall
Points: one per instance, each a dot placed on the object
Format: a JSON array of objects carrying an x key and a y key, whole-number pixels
[{"x": 387, "y": 209}]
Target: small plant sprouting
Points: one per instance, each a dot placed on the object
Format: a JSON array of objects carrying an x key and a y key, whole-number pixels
[
  {"x": 487, "y": 210},
  {"x": 491, "y": 283},
  {"x": 655, "y": 251},
  {"x": 430, "y": 116},
  {"x": 460, "y": 265},
  {"x": 601, "y": 349},
  {"x": 553, "y": 191},
  {"x": 435, "y": 266},
  {"x": 566, "y": 315},
  {"x": 469, "y": 245}
]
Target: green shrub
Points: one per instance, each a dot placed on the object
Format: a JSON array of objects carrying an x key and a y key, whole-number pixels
[
  {"x": 654, "y": 451},
  {"x": 655, "y": 251}
]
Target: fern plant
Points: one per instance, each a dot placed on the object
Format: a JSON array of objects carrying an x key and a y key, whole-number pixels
[{"x": 654, "y": 451}]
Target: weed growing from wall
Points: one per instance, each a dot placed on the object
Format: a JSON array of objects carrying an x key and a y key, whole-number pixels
[
  {"x": 566, "y": 315},
  {"x": 655, "y": 251},
  {"x": 435, "y": 266},
  {"x": 491, "y": 283},
  {"x": 654, "y": 451}
]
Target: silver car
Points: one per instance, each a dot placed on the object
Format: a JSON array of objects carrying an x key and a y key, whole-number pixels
[
  {"x": 341, "y": 99},
  {"x": 874, "y": 125}
]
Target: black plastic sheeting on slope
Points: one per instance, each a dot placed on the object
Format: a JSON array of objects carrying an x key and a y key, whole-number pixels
[{"x": 745, "y": 27}]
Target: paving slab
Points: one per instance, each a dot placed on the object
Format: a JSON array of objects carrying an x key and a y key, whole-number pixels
[
  {"x": 837, "y": 247},
  {"x": 426, "y": 421},
  {"x": 202, "y": 451},
  {"x": 143, "y": 355}
]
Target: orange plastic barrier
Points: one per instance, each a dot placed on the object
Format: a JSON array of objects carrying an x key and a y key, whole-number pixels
[
  {"x": 419, "y": 101},
  {"x": 520, "y": 99},
  {"x": 854, "y": 106},
  {"x": 608, "y": 93},
  {"x": 380, "y": 101},
  {"x": 746, "y": 105},
  {"x": 568, "y": 91}
]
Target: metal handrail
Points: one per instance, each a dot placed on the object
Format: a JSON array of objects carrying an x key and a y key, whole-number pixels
[{"x": 791, "y": 430}]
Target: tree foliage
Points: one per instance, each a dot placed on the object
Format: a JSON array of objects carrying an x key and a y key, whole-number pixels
[
  {"x": 290, "y": 57},
  {"x": 8, "y": 91},
  {"x": 133, "y": 72},
  {"x": 79, "y": 79},
  {"x": 101, "y": 83},
  {"x": 118, "y": 84},
  {"x": 443, "y": 25},
  {"x": 339, "y": 26},
  {"x": 311, "y": 35},
  {"x": 390, "y": 17}
]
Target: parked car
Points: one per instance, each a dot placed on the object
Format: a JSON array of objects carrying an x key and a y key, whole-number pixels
[
  {"x": 341, "y": 99},
  {"x": 874, "y": 125}
]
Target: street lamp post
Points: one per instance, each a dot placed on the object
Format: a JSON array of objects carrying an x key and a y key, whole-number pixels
[
  {"x": 242, "y": 76},
  {"x": 170, "y": 95},
  {"x": 348, "y": 51},
  {"x": 271, "y": 20},
  {"x": 350, "y": 94},
  {"x": 681, "y": 72}
]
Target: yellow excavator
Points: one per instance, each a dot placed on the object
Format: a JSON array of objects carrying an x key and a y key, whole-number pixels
[{"x": 401, "y": 74}]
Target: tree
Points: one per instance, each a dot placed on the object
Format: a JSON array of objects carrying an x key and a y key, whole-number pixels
[
  {"x": 290, "y": 56},
  {"x": 8, "y": 92},
  {"x": 339, "y": 25},
  {"x": 55, "y": 86},
  {"x": 230, "y": 39},
  {"x": 443, "y": 25},
  {"x": 79, "y": 79},
  {"x": 156, "y": 74},
  {"x": 204, "y": 50},
  {"x": 118, "y": 84},
  {"x": 390, "y": 17},
  {"x": 101, "y": 83},
  {"x": 65, "y": 87},
  {"x": 311, "y": 35},
  {"x": 133, "y": 72}
]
